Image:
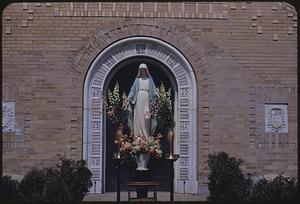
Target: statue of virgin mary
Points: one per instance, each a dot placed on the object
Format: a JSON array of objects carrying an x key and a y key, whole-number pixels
[{"x": 142, "y": 93}]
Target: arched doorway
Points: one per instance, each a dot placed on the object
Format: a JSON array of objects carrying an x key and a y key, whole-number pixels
[
  {"x": 124, "y": 74},
  {"x": 185, "y": 102}
]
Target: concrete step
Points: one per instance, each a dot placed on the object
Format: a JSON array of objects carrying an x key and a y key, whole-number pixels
[{"x": 161, "y": 196}]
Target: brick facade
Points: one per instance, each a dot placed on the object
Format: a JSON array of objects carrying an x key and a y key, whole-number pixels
[{"x": 243, "y": 55}]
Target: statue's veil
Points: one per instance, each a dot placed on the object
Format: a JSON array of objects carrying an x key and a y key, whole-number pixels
[{"x": 143, "y": 66}]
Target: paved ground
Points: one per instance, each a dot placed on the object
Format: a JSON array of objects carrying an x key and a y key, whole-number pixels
[{"x": 161, "y": 196}]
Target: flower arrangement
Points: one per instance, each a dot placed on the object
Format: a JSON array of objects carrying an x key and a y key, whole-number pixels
[
  {"x": 117, "y": 112},
  {"x": 117, "y": 109},
  {"x": 163, "y": 108},
  {"x": 136, "y": 144}
]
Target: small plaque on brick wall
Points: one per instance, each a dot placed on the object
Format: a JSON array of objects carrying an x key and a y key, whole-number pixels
[
  {"x": 276, "y": 118},
  {"x": 8, "y": 116}
]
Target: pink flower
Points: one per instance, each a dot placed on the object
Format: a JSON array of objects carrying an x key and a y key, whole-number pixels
[
  {"x": 116, "y": 141},
  {"x": 152, "y": 150},
  {"x": 110, "y": 113}
]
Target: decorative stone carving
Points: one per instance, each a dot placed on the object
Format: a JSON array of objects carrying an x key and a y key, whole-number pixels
[
  {"x": 96, "y": 125},
  {"x": 276, "y": 118},
  {"x": 8, "y": 116},
  {"x": 184, "y": 174},
  {"x": 184, "y": 92},
  {"x": 184, "y": 161}
]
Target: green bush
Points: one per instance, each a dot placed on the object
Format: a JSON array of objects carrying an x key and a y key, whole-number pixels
[
  {"x": 228, "y": 183},
  {"x": 55, "y": 190},
  {"x": 76, "y": 178},
  {"x": 9, "y": 189},
  {"x": 226, "y": 180},
  {"x": 261, "y": 191},
  {"x": 32, "y": 186},
  {"x": 68, "y": 181},
  {"x": 279, "y": 189}
]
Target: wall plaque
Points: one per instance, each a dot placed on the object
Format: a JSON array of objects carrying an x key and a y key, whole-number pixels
[
  {"x": 276, "y": 118},
  {"x": 8, "y": 116}
]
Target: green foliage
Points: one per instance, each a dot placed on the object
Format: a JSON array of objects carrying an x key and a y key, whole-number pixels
[
  {"x": 279, "y": 189},
  {"x": 165, "y": 114},
  {"x": 228, "y": 183},
  {"x": 68, "y": 181},
  {"x": 9, "y": 188},
  {"x": 32, "y": 186},
  {"x": 55, "y": 186},
  {"x": 76, "y": 177},
  {"x": 226, "y": 180}
]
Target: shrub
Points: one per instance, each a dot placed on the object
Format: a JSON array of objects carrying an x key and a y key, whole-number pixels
[
  {"x": 32, "y": 186},
  {"x": 68, "y": 181},
  {"x": 55, "y": 186},
  {"x": 76, "y": 178},
  {"x": 261, "y": 191},
  {"x": 279, "y": 189},
  {"x": 226, "y": 180},
  {"x": 9, "y": 188}
]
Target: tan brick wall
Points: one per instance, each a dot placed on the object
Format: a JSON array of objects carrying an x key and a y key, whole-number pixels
[{"x": 243, "y": 55}]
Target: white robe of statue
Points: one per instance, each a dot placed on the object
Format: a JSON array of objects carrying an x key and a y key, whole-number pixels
[{"x": 141, "y": 119}]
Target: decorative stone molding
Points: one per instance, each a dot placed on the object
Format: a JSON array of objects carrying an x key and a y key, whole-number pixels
[
  {"x": 153, "y": 12},
  {"x": 8, "y": 116},
  {"x": 184, "y": 83}
]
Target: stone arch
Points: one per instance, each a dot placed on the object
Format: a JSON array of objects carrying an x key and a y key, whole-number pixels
[
  {"x": 188, "y": 182},
  {"x": 185, "y": 104}
]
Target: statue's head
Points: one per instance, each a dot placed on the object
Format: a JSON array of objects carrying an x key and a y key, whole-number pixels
[{"x": 143, "y": 70}]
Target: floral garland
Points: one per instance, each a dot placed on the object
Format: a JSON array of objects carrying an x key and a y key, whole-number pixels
[{"x": 136, "y": 144}]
